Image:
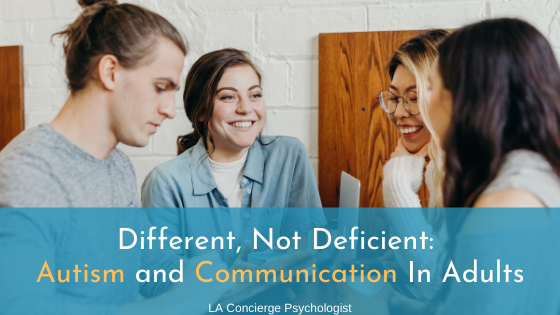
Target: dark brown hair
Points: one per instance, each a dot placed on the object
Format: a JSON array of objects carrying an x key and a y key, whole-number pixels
[
  {"x": 126, "y": 31},
  {"x": 505, "y": 83},
  {"x": 200, "y": 88}
]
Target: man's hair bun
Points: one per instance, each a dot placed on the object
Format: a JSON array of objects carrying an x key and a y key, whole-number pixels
[{"x": 104, "y": 27}]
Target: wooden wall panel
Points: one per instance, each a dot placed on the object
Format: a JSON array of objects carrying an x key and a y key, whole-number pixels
[
  {"x": 354, "y": 133},
  {"x": 11, "y": 93}
]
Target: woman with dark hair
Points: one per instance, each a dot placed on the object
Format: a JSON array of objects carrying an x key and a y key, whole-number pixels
[
  {"x": 494, "y": 102},
  {"x": 500, "y": 119},
  {"x": 227, "y": 163}
]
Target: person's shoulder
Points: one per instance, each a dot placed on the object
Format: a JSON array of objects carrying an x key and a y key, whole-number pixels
[
  {"x": 525, "y": 178},
  {"x": 173, "y": 175},
  {"x": 488, "y": 216},
  {"x": 27, "y": 150},
  {"x": 525, "y": 161},
  {"x": 171, "y": 166},
  {"x": 506, "y": 209},
  {"x": 175, "y": 168},
  {"x": 285, "y": 140},
  {"x": 26, "y": 171},
  {"x": 27, "y": 143},
  {"x": 511, "y": 197},
  {"x": 282, "y": 145}
]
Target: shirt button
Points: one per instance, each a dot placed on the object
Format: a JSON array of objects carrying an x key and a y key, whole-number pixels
[
  {"x": 248, "y": 190},
  {"x": 247, "y": 216},
  {"x": 244, "y": 180},
  {"x": 246, "y": 242}
]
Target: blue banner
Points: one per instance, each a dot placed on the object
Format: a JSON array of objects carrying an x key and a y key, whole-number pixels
[{"x": 279, "y": 261}]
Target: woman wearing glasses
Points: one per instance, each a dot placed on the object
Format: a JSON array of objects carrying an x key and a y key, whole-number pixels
[{"x": 404, "y": 102}]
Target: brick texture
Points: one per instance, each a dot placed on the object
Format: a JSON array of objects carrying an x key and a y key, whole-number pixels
[{"x": 281, "y": 35}]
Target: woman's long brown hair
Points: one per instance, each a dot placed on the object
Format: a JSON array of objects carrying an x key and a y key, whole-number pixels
[{"x": 505, "y": 83}]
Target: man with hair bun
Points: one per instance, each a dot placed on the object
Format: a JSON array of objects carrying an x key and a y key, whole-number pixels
[{"x": 123, "y": 64}]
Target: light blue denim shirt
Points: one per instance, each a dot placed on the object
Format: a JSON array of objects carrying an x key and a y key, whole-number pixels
[{"x": 277, "y": 175}]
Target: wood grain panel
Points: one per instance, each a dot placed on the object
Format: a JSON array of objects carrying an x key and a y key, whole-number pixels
[
  {"x": 11, "y": 93},
  {"x": 354, "y": 133}
]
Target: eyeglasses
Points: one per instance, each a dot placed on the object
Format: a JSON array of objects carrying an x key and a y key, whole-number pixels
[{"x": 389, "y": 102}]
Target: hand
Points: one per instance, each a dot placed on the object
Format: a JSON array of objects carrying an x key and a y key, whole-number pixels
[{"x": 400, "y": 150}]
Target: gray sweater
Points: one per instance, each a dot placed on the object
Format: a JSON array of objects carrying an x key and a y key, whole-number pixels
[
  {"x": 533, "y": 250},
  {"x": 41, "y": 168},
  {"x": 528, "y": 170}
]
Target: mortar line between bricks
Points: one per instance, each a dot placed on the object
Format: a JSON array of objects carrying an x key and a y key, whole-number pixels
[
  {"x": 318, "y": 7},
  {"x": 152, "y": 155},
  {"x": 367, "y": 18},
  {"x": 255, "y": 34},
  {"x": 487, "y": 10},
  {"x": 290, "y": 107},
  {"x": 290, "y": 57},
  {"x": 144, "y": 156},
  {"x": 290, "y": 70}
]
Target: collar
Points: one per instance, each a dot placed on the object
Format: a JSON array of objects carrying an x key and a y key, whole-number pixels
[
  {"x": 202, "y": 178},
  {"x": 254, "y": 169}
]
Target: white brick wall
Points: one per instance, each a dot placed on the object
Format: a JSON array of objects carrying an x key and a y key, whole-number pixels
[{"x": 281, "y": 35}]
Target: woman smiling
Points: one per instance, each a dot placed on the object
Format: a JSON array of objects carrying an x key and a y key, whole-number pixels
[
  {"x": 226, "y": 162},
  {"x": 405, "y": 105}
]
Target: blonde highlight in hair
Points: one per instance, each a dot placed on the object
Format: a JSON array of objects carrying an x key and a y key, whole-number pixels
[{"x": 418, "y": 55}]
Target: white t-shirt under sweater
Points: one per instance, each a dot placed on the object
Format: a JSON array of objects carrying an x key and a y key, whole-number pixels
[{"x": 228, "y": 178}]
